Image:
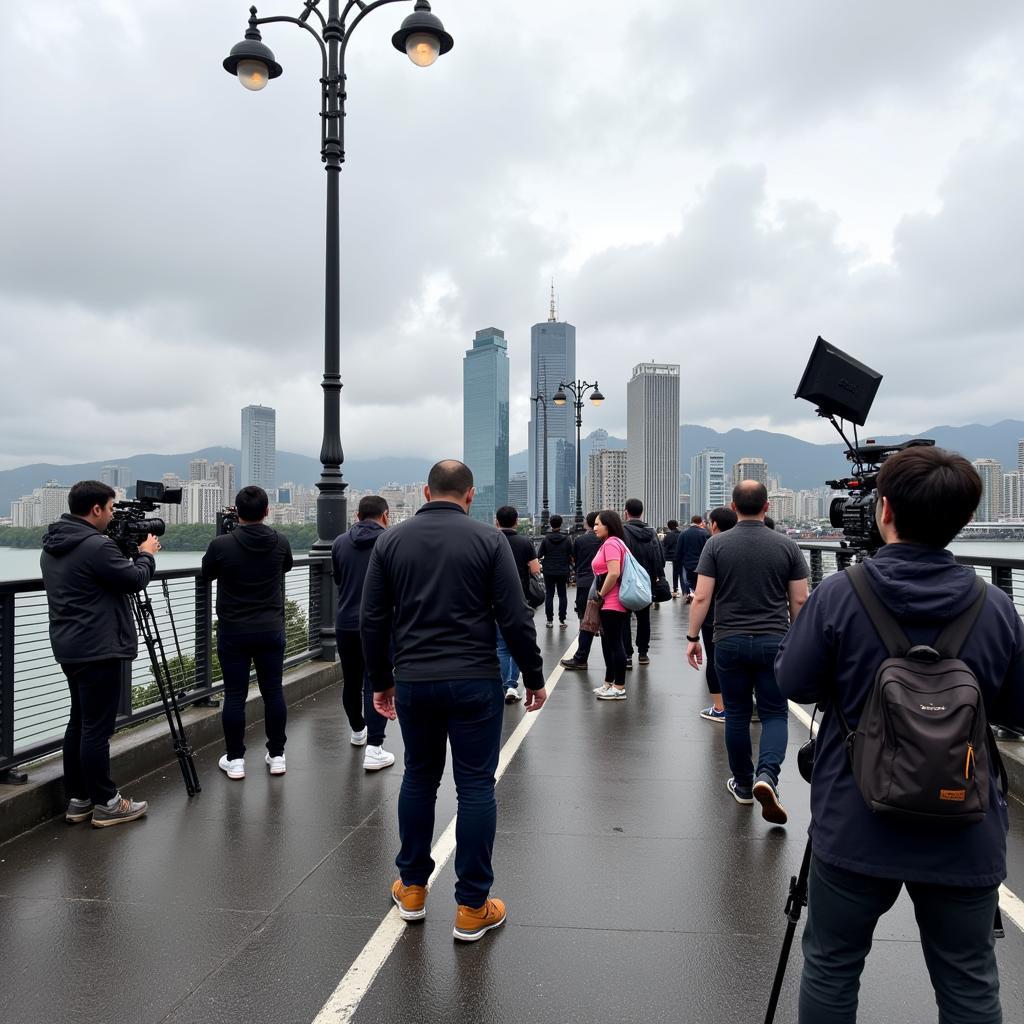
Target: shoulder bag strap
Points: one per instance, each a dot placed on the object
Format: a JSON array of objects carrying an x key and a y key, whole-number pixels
[
  {"x": 954, "y": 636},
  {"x": 893, "y": 637}
]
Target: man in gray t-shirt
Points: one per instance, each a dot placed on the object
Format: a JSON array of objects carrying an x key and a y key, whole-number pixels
[{"x": 758, "y": 579}]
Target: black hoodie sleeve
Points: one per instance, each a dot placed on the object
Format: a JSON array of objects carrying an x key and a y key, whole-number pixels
[
  {"x": 117, "y": 573},
  {"x": 515, "y": 620},
  {"x": 209, "y": 567},
  {"x": 288, "y": 561},
  {"x": 376, "y": 622}
]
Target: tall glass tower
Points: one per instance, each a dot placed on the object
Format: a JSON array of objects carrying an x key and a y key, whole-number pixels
[
  {"x": 485, "y": 421},
  {"x": 259, "y": 448},
  {"x": 652, "y": 431}
]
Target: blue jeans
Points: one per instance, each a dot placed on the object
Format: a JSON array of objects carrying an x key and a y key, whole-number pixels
[
  {"x": 956, "y": 937},
  {"x": 237, "y": 653},
  {"x": 467, "y": 713},
  {"x": 508, "y": 666},
  {"x": 745, "y": 665}
]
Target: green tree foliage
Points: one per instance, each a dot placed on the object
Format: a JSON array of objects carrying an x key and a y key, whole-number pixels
[{"x": 21, "y": 536}]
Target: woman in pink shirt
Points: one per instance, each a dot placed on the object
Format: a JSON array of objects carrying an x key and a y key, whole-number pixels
[{"x": 607, "y": 571}]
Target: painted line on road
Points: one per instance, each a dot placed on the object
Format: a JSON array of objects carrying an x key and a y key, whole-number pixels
[
  {"x": 1009, "y": 902},
  {"x": 341, "y": 1007}
]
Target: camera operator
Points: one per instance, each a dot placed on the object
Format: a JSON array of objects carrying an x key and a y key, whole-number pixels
[
  {"x": 92, "y": 633},
  {"x": 249, "y": 564},
  {"x": 861, "y": 860}
]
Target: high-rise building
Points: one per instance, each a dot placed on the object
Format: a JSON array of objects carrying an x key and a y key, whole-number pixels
[
  {"x": 117, "y": 476},
  {"x": 200, "y": 501},
  {"x": 224, "y": 474},
  {"x": 172, "y": 514},
  {"x": 652, "y": 440},
  {"x": 1020, "y": 456},
  {"x": 552, "y": 360},
  {"x": 53, "y": 501},
  {"x": 710, "y": 487},
  {"x": 519, "y": 492},
  {"x": 1011, "y": 507},
  {"x": 607, "y": 477},
  {"x": 485, "y": 421},
  {"x": 259, "y": 447},
  {"x": 749, "y": 468},
  {"x": 990, "y": 506},
  {"x": 199, "y": 469}
]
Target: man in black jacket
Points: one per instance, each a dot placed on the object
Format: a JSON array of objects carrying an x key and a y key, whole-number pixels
[
  {"x": 688, "y": 551},
  {"x": 350, "y": 556},
  {"x": 645, "y": 547},
  {"x": 528, "y": 565},
  {"x": 249, "y": 564},
  {"x": 860, "y": 859},
  {"x": 437, "y": 587},
  {"x": 584, "y": 548},
  {"x": 555, "y": 556},
  {"x": 670, "y": 542},
  {"x": 94, "y": 638}
]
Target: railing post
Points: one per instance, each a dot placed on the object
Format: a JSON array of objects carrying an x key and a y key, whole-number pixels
[
  {"x": 204, "y": 633},
  {"x": 1002, "y": 577},
  {"x": 8, "y": 776},
  {"x": 817, "y": 572}
]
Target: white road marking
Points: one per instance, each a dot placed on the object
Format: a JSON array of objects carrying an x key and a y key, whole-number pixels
[
  {"x": 341, "y": 1007},
  {"x": 1009, "y": 903}
]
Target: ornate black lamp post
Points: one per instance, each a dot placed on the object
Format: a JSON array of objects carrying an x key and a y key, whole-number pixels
[
  {"x": 423, "y": 38},
  {"x": 545, "y": 514},
  {"x": 578, "y": 389}
]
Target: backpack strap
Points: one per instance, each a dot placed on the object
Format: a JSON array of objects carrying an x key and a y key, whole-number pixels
[
  {"x": 893, "y": 637},
  {"x": 954, "y": 636}
]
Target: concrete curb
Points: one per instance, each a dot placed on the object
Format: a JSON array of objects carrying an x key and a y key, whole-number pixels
[{"x": 136, "y": 752}]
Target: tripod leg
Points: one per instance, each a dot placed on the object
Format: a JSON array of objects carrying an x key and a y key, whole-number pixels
[{"x": 794, "y": 905}]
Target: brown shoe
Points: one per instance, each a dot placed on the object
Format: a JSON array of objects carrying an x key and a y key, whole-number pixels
[
  {"x": 411, "y": 900},
  {"x": 471, "y": 924}
]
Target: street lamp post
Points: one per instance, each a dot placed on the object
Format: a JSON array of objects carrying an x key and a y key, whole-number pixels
[
  {"x": 423, "y": 38},
  {"x": 578, "y": 389},
  {"x": 545, "y": 514}
]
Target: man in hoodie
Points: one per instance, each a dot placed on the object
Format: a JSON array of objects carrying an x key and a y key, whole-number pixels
[
  {"x": 249, "y": 564},
  {"x": 860, "y": 860},
  {"x": 670, "y": 542},
  {"x": 645, "y": 547},
  {"x": 688, "y": 551},
  {"x": 555, "y": 555},
  {"x": 528, "y": 565},
  {"x": 350, "y": 555},
  {"x": 93, "y": 635}
]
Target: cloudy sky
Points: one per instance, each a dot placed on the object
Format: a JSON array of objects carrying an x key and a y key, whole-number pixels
[{"x": 710, "y": 182}]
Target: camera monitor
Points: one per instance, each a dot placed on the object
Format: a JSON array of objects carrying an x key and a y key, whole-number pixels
[{"x": 838, "y": 384}]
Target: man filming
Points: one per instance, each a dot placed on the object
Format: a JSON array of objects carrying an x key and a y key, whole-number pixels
[
  {"x": 249, "y": 563},
  {"x": 860, "y": 859},
  {"x": 87, "y": 580}
]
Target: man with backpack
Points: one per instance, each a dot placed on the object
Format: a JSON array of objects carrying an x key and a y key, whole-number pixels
[
  {"x": 944, "y": 840},
  {"x": 645, "y": 547}
]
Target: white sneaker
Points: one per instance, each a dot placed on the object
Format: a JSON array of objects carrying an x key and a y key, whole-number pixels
[
  {"x": 512, "y": 695},
  {"x": 612, "y": 694},
  {"x": 275, "y": 764},
  {"x": 234, "y": 767},
  {"x": 603, "y": 688},
  {"x": 359, "y": 738},
  {"x": 377, "y": 758}
]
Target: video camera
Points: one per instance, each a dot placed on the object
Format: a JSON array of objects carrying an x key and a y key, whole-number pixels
[
  {"x": 131, "y": 525},
  {"x": 841, "y": 386},
  {"x": 227, "y": 520}
]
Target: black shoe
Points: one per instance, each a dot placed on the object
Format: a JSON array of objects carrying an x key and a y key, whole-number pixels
[
  {"x": 629, "y": 663},
  {"x": 644, "y": 660},
  {"x": 572, "y": 663},
  {"x": 766, "y": 793}
]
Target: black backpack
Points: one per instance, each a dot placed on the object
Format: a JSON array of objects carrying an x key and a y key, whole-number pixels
[{"x": 923, "y": 752}]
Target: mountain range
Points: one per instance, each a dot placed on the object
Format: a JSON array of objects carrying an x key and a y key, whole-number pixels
[{"x": 799, "y": 464}]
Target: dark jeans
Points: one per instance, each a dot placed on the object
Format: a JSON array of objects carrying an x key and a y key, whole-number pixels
[
  {"x": 643, "y": 632},
  {"x": 707, "y": 632},
  {"x": 467, "y": 713},
  {"x": 95, "y": 693},
  {"x": 745, "y": 666},
  {"x": 613, "y": 626},
  {"x": 551, "y": 584},
  {"x": 237, "y": 652},
  {"x": 956, "y": 936},
  {"x": 691, "y": 579},
  {"x": 586, "y": 640},
  {"x": 677, "y": 575},
  {"x": 356, "y": 691}
]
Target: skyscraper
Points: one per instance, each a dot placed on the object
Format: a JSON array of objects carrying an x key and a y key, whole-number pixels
[
  {"x": 519, "y": 492},
  {"x": 199, "y": 469},
  {"x": 1011, "y": 506},
  {"x": 608, "y": 471},
  {"x": 990, "y": 506},
  {"x": 652, "y": 440},
  {"x": 259, "y": 447},
  {"x": 750, "y": 468},
  {"x": 552, "y": 360},
  {"x": 485, "y": 421},
  {"x": 1020, "y": 456},
  {"x": 117, "y": 476},
  {"x": 224, "y": 474},
  {"x": 709, "y": 488}
]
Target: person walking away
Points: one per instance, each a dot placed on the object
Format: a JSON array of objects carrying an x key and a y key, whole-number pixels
[
  {"x": 607, "y": 567},
  {"x": 437, "y": 586},
  {"x": 861, "y": 859},
  {"x": 350, "y": 557},
  {"x": 721, "y": 519},
  {"x": 88, "y": 580},
  {"x": 555, "y": 555},
  {"x": 528, "y": 565},
  {"x": 758, "y": 579},
  {"x": 584, "y": 548},
  {"x": 688, "y": 551},
  {"x": 670, "y": 543},
  {"x": 249, "y": 564},
  {"x": 643, "y": 542}
]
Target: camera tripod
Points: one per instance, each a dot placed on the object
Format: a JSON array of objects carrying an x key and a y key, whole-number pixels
[{"x": 149, "y": 630}]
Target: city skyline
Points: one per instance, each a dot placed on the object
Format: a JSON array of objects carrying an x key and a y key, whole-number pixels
[
  {"x": 652, "y": 440},
  {"x": 485, "y": 420}
]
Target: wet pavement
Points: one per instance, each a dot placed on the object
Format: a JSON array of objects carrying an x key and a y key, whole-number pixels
[{"x": 637, "y": 889}]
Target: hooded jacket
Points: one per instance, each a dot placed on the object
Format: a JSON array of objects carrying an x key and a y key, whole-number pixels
[
  {"x": 689, "y": 547},
  {"x": 249, "y": 564},
  {"x": 555, "y": 553},
  {"x": 643, "y": 542},
  {"x": 350, "y": 555},
  {"x": 833, "y": 648},
  {"x": 87, "y": 581},
  {"x": 669, "y": 543}
]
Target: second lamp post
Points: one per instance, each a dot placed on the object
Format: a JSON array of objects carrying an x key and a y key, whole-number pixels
[{"x": 578, "y": 389}]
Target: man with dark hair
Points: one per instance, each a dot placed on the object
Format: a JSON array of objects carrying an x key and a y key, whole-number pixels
[
  {"x": 437, "y": 587},
  {"x": 691, "y": 544},
  {"x": 586, "y": 545},
  {"x": 528, "y": 565},
  {"x": 721, "y": 519},
  {"x": 555, "y": 555},
  {"x": 645, "y": 547},
  {"x": 860, "y": 859},
  {"x": 93, "y": 635},
  {"x": 249, "y": 564},
  {"x": 758, "y": 579},
  {"x": 350, "y": 557},
  {"x": 670, "y": 543}
]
